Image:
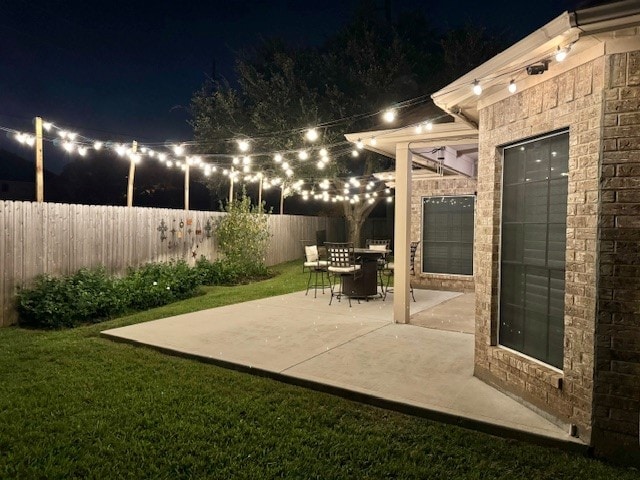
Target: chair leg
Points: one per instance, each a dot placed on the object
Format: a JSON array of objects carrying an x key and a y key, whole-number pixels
[
  {"x": 308, "y": 282},
  {"x": 386, "y": 289}
]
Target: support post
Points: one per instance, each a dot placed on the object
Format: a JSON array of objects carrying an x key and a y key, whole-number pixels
[
  {"x": 186, "y": 184},
  {"x": 282, "y": 199},
  {"x": 260, "y": 194},
  {"x": 231, "y": 178},
  {"x": 132, "y": 172},
  {"x": 39, "y": 162},
  {"x": 402, "y": 231}
]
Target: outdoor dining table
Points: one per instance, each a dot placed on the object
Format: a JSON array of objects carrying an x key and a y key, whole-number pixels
[{"x": 365, "y": 285}]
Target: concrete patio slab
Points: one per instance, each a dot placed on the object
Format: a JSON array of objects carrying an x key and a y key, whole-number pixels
[{"x": 353, "y": 351}]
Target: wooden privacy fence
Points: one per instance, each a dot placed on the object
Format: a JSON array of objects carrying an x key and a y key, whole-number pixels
[{"x": 59, "y": 239}]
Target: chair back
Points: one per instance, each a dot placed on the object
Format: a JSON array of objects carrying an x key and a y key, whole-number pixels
[
  {"x": 311, "y": 253},
  {"x": 412, "y": 257},
  {"x": 386, "y": 243},
  {"x": 340, "y": 254}
]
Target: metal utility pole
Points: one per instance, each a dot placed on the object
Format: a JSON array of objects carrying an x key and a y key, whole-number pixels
[
  {"x": 132, "y": 172},
  {"x": 39, "y": 162}
]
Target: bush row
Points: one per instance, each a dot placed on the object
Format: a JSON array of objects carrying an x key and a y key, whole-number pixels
[{"x": 92, "y": 295}]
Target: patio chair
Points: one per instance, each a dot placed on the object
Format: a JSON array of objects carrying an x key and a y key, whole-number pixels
[
  {"x": 316, "y": 266},
  {"x": 382, "y": 261},
  {"x": 342, "y": 264},
  {"x": 389, "y": 270}
]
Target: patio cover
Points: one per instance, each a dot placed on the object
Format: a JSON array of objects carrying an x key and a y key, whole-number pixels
[{"x": 447, "y": 149}]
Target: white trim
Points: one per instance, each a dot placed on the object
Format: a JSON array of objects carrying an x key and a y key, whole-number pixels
[{"x": 534, "y": 360}]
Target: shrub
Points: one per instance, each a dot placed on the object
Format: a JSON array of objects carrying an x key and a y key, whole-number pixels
[
  {"x": 156, "y": 284},
  {"x": 243, "y": 238},
  {"x": 86, "y": 296}
]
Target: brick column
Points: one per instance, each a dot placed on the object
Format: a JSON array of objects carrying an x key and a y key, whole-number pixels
[{"x": 617, "y": 376}]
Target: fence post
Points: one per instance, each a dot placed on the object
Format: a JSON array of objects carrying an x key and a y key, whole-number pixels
[
  {"x": 132, "y": 172},
  {"x": 39, "y": 162}
]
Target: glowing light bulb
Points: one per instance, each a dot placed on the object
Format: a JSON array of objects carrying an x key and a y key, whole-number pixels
[
  {"x": 285, "y": 166},
  {"x": 561, "y": 53},
  {"x": 320, "y": 165},
  {"x": 47, "y": 126},
  {"x": 355, "y": 153},
  {"x": 359, "y": 144},
  {"x": 68, "y": 146},
  {"x": 97, "y": 145},
  {"x": 389, "y": 199},
  {"x": 62, "y": 133},
  {"x": 162, "y": 157},
  {"x": 243, "y": 145},
  {"x": 429, "y": 126},
  {"x": 324, "y": 152},
  {"x": 178, "y": 149},
  {"x": 373, "y": 141},
  {"x": 312, "y": 135},
  {"x": 236, "y": 160},
  {"x": 477, "y": 88},
  {"x": 419, "y": 128},
  {"x": 389, "y": 115},
  {"x": 512, "y": 86},
  {"x": 303, "y": 155},
  {"x": 82, "y": 151},
  {"x": 121, "y": 150},
  {"x": 246, "y": 168},
  {"x": 289, "y": 173},
  {"x": 246, "y": 160},
  {"x": 277, "y": 158}
]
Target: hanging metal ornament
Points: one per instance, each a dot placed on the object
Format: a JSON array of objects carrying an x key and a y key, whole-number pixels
[{"x": 163, "y": 230}]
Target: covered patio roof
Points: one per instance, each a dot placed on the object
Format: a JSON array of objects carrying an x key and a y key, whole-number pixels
[{"x": 446, "y": 149}]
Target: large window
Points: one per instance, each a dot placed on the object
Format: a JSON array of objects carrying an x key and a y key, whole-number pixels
[
  {"x": 447, "y": 242},
  {"x": 534, "y": 224}
]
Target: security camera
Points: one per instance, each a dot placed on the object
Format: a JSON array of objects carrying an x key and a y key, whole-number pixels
[{"x": 537, "y": 68}]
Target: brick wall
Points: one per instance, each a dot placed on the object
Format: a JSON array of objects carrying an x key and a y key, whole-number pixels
[
  {"x": 433, "y": 187},
  {"x": 617, "y": 380},
  {"x": 573, "y": 100}
]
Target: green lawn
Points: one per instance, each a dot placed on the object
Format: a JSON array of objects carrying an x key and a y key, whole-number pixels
[{"x": 74, "y": 405}]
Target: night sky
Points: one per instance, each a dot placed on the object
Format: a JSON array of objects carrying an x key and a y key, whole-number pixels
[{"x": 127, "y": 70}]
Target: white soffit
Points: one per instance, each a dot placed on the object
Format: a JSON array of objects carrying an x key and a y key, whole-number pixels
[
  {"x": 591, "y": 26},
  {"x": 442, "y": 134}
]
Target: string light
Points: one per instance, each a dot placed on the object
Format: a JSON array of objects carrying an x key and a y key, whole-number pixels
[
  {"x": 312, "y": 135},
  {"x": 389, "y": 115},
  {"x": 561, "y": 53},
  {"x": 512, "y": 86},
  {"x": 373, "y": 141},
  {"x": 178, "y": 150},
  {"x": 303, "y": 155},
  {"x": 277, "y": 158},
  {"x": 477, "y": 88},
  {"x": 243, "y": 145}
]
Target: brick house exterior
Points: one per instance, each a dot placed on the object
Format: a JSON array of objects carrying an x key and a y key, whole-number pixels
[
  {"x": 595, "y": 96},
  {"x": 592, "y": 99}
]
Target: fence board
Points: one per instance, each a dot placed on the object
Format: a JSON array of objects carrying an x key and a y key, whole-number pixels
[{"x": 58, "y": 239}]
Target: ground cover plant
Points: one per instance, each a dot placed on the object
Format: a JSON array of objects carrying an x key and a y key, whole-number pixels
[{"x": 75, "y": 405}]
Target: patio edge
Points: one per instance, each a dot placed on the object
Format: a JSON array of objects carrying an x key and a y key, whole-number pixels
[{"x": 373, "y": 400}]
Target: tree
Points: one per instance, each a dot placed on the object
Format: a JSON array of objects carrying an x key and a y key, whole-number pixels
[{"x": 282, "y": 90}]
